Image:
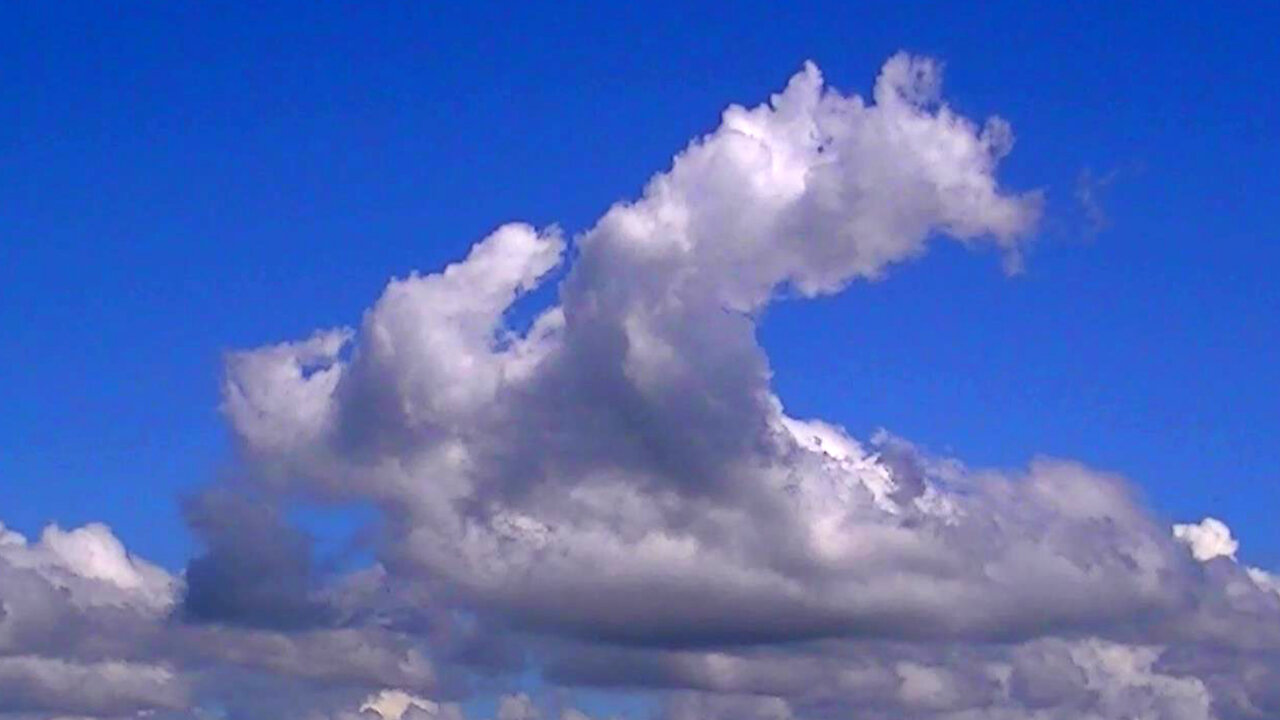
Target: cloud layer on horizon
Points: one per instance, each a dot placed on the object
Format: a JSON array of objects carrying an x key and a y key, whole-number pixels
[{"x": 615, "y": 498}]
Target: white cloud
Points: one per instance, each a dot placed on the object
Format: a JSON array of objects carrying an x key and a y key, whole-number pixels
[
  {"x": 624, "y": 475},
  {"x": 618, "y": 493},
  {"x": 400, "y": 705},
  {"x": 518, "y": 706},
  {"x": 90, "y": 563},
  {"x": 1208, "y": 539}
]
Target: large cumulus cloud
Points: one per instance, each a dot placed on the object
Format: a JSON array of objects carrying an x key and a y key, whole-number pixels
[
  {"x": 615, "y": 496},
  {"x": 89, "y": 630}
]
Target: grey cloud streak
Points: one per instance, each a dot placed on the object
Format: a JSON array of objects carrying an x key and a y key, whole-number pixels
[{"x": 618, "y": 496}]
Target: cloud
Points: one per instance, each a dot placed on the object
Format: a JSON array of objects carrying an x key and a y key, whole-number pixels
[
  {"x": 399, "y": 705},
  {"x": 256, "y": 570},
  {"x": 87, "y": 629},
  {"x": 1208, "y": 539},
  {"x": 35, "y": 684},
  {"x": 77, "y": 617},
  {"x": 617, "y": 497},
  {"x": 517, "y": 707},
  {"x": 1088, "y": 194}
]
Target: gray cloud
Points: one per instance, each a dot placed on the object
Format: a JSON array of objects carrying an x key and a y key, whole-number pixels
[{"x": 256, "y": 570}]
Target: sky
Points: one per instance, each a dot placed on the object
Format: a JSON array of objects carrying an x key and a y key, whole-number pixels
[{"x": 711, "y": 407}]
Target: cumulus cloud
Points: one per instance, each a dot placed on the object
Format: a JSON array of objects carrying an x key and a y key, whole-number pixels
[
  {"x": 89, "y": 630},
  {"x": 1208, "y": 539},
  {"x": 76, "y": 615},
  {"x": 257, "y": 569},
  {"x": 400, "y": 705},
  {"x": 616, "y": 497}
]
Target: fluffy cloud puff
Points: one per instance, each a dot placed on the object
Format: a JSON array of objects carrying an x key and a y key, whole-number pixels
[
  {"x": 616, "y": 495},
  {"x": 88, "y": 630}
]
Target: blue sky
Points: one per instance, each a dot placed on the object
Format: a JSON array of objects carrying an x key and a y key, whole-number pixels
[{"x": 180, "y": 180}]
